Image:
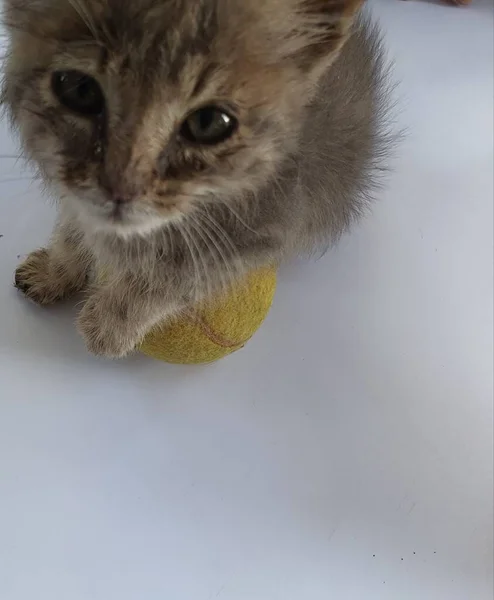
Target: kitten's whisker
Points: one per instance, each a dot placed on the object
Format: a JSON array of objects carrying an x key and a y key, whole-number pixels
[
  {"x": 276, "y": 181},
  {"x": 186, "y": 237},
  {"x": 219, "y": 260},
  {"x": 228, "y": 259},
  {"x": 84, "y": 13},
  {"x": 171, "y": 240},
  {"x": 163, "y": 249},
  {"x": 222, "y": 234},
  {"x": 193, "y": 224},
  {"x": 225, "y": 259},
  {"x": 207, "y": 282},
  {"x": 216, "y": 233},
  {"x": 239, "y": 218}
]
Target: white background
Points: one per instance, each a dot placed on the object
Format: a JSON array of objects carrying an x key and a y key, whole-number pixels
[{"x": 346, "y": 453}]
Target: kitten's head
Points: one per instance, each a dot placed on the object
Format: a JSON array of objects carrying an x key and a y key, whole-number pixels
[{"x": 137, "y": 110}]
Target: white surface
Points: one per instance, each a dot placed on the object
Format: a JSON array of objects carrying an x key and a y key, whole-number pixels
[{"x": 346, "y": 453}]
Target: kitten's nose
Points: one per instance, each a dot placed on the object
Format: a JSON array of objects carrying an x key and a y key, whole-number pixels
[
  {"x": 117, "y": 191},
  {"x": 120, "y": 200},
  {"x": 122, "y": 194}
]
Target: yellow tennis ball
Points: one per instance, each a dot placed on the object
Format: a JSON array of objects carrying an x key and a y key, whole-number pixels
[{"x": 218, "y": 328}]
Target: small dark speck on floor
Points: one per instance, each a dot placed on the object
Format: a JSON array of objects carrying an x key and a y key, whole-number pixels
[
  {"x": 415, "y": 553},
  {"x": 435, "y": 552},
  {"x": 1, "y": 235},
  {"x": 373, "y": 556}
]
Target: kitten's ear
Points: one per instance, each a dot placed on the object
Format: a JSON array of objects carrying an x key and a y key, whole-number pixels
[{"x": 322, "y": 26}]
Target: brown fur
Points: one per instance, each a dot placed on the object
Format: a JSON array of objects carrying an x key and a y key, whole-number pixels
[{"x": 303, "y": 78}]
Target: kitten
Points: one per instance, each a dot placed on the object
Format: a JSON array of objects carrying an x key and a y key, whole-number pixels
[{"x": 188, "y": 142}]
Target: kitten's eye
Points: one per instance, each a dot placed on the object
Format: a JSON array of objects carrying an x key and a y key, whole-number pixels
[
  {"x": 209, "y": 125},
  {"x": 78, "y": 92}
]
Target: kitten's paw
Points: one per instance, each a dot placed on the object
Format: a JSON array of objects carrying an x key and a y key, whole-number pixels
[
  {"x": 105, "y": 330},
  {"x": 37, "y": 279}
]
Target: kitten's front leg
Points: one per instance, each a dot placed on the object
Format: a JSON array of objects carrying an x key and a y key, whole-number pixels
[
  {"x": 116, "y": 317},
  {"x": 56, "y": 272}
]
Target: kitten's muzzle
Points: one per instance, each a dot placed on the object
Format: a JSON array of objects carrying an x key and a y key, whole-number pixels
[{"x": 120, "y": 189}]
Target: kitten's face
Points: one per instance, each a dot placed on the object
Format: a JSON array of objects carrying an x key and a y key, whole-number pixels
[{"x": 136, "y": 111}]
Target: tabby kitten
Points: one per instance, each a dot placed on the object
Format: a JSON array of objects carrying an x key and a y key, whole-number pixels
[{"x": 188, "y": 142}]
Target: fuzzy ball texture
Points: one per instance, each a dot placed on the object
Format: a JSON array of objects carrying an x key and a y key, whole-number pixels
[{"x": 212, "y": 331}]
